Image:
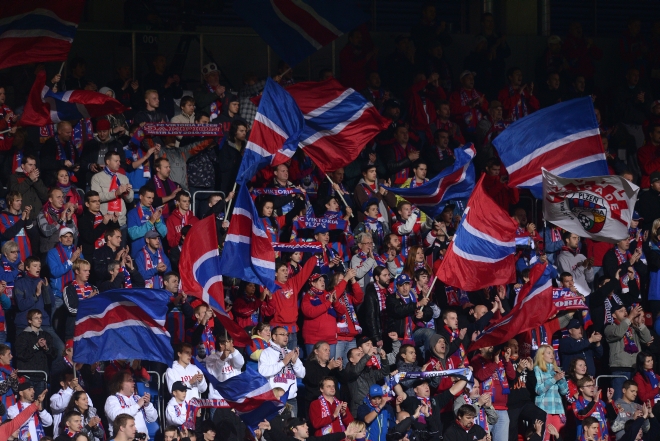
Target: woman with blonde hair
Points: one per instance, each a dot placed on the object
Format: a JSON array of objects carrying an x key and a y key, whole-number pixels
[
  {"x": 550, "y": 386},
  {"x": 651, "y": 250},
  {"x": 357, "y": 427}
]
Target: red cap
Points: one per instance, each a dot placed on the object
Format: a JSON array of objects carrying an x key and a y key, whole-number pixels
[
  {"x": 102, "y": 124},
  {"x": 69, "y": 344}
]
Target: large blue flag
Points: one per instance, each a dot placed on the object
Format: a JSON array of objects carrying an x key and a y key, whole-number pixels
[
  {"x": 295, "y": 29},
  {"x": 277, "y": 126},
  {"x": 123, "y": 324},
  {"x": 456, "y": 182},
  {"x": 564, "y": 139}
]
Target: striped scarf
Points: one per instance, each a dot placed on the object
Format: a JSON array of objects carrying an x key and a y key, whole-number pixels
[
  {"x": 98, "y": 220},
  {"x": 64, "y": 257},
  {"x": 155, "y": 281},
  {"x": 520, "y": 109},
  {"x": 84, "y": 291},
  {"x": 24, "y": 431},
  {"x": 127, "y": 278},
  {"x": 622, "y": 258}
]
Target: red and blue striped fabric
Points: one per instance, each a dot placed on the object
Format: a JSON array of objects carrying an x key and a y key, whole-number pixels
[
  {"x": 452, "y": 183},
  {"x": 45, "y": 107},
  {"x": 123, "y": 324},
  {"x": 564, "y": 139},
  {"x": 296, "y": 29},
  {"x": 248, "y": 252},
  {"x": 277, "y": 127},
  {"x": 339, "y": 122},
  {"x": 250, "y": 394},
  {"x": 533, "y": 310},
  {"x": 483, "y": 250},
  {"x": 201, "y": 277},
  {"x": 37, "y": 31}
]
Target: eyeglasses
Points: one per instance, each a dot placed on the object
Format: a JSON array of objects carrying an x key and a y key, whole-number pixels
[
  {"x": 281, "y": 335},
  {"x": 589, "y": 385}
]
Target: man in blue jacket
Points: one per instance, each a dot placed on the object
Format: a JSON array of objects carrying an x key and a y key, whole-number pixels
[
  {"x": 377, "y": 414},
  {"x": 576, "y": 346}
]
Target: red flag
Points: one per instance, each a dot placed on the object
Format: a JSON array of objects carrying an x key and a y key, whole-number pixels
[
  {"x": 200, "y": 275},
  {"x": 535, "y": 308},
  {"x": 483, "y": 250},
  {"x": 45, "y": 107},
  {"x": 37, "y": 31}
]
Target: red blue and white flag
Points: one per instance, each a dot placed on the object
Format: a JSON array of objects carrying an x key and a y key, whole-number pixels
[
  {"x": 201, "y": 275},
  {"x": 535, "y": 308},
  {"x": 277, "y": 127},
  {"x": 45, "y": 107},
  {"x": 482, "y": 252},
  {"x": 564, "y": 139},
  {"x": 296, "y": 29},
  {"x": 248, "y": 251},
  {"x": 456, "y": 182},
  {"x": 339, "y": 123},
  {"x": 37, "y": 31},
  {"x": 123, "y": 324}
]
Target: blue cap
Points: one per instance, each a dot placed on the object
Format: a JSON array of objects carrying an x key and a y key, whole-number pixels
[
  {"x": 375, "y": 391},
  {"x": 321, "y": 229},
  {"x": 402, "y": 278},
  {"x": 369, "y": 202},
  {"x": 636, "y": 216}
]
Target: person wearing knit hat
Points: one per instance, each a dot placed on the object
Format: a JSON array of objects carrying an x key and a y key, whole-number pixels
[{"x": 93, "y": 153}]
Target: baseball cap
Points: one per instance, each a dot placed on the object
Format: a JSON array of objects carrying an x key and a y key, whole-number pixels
[
  {"x": 151, "y": 234},
  {"x": 64, "y": 231},
  {"x": 321, "y": 229},
  {"x": 25, "y": 386},
  {"x": 636, "y": 216},
  {"x": 103, "y": 124},
  {"x": 655, "y": 176},
  {"x": 294, "y": 422},
  {"x": 208, "y": 68},
  {"x": 362, "y": 340},
  {"x": 314, "y": 277},
  {"x": 615, "y": 306},
  {"x": 69, "y": 344},
  {"x": 178, "y": 385},
  {"x": 574, "y": 324},
  {"x": 375, "y": 391},
  {"x": 369, "y": 202},
  {"x": 466, "y": 72},
  {"x": 402, "y": 278}
]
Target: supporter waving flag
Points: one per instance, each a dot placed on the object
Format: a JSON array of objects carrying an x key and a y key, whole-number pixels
[
  {"x": 455, "y": 182},
  {"x": 277, "y": 127},
  {"x": 483, "y": 250},
  {"x": 295, "y": 29},
  {"x": 201, "y": 274},
  {"x": 535, "y": 308},
  {"x": 123, "y": 324},
  {"x": 45, "y": 107},
  {"x": 564, "y": 138},
  {"x": 37, "y": 31},
  {"x": 248, "y": 252}
]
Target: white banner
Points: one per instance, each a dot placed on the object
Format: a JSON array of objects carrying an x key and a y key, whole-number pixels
[{"x": 598, "y": 207}]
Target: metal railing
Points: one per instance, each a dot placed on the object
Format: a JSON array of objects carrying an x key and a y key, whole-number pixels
[
  {"x": 609, "y": 376},
  {"x": 35, "y": 372}
]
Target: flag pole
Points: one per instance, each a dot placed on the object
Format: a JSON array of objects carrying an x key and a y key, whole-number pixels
[
  {"x": 229, "y": 206},
  {"x": 339, "y": 192},
  {"x": 61, "y": 68},
  {"x": 430, "y": 289},
  {"x": 5, "y": 131}
]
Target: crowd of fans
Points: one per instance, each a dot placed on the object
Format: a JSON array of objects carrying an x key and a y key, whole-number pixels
[{"x": 91, "y": 209}]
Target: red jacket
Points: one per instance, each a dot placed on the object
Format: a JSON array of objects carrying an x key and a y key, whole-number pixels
[
  {"x": 174, "y": 224},
  {"x": 245, "y": 307},
  {"x": 285, "y": 300},
  {"x": 320, "y": 323},
  {"x": 485, "y": 369},
  {"x": 645, "y": 392},
  {"x": 421, "y": 106},
  {"x": 319, "y": 419},
  {"x": 355, "y": 298},
  {"x": 648, "y": 157},
  {"x": 510, "y": 99},
  {"x": 597, "y": 250}
]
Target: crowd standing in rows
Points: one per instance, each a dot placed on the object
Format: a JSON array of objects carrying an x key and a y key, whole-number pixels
[{"x": 88, "y": 214}]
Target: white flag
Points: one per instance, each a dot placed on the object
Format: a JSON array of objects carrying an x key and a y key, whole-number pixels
[{"x": 599, "y": 207}]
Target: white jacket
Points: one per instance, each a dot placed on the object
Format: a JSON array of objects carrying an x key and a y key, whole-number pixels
[
  {"x": 114, "y": 408},
  {"x": 277, "y": 373},
  {"x": 179, "y": 373},
  {"x": 568, "y": 262},
  {"x": 44, "y": 416},
  {"x": 174, "y": 417},
  {"x": 58, "y": 403},
  {"x": 223, "y": 369}
]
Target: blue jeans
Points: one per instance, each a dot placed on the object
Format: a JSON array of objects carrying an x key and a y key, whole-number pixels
[
  {"x": 500, "y": 430},
  {"x": 3, "y": 337},
  {"x": 57, "y": 341},
  {"x": 617, "y": 383},
  {"x": 310, "y": 348},
  {"x": 293, "y": 341},
  {"x": 421, "y": 337},
  {"x": 342, "y": 350}
]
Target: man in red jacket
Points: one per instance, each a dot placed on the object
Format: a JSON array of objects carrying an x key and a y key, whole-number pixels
[
  {"x": 496, "y": 187},
  {"x": 517, "y": 98},
  {"x": 328, "y": 414},
  {"x": 649, "y": 155},
  {"x": 179, "y": 218},
  {"x": 467, "y": 105},
  {"x": 494, "y": 375}
]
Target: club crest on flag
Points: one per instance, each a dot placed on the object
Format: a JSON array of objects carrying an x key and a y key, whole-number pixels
[{"x": 594, "y": 206}]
